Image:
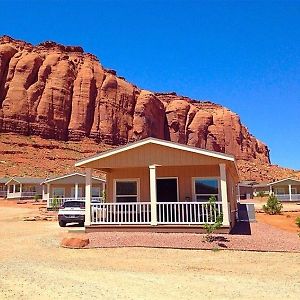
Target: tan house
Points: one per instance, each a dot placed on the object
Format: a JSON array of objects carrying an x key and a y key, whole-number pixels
[
  {"x": 23, "y": 187},
  {"x": 69, "y": 187},
  {"x": 245, "y": 189},
  {"x": 3, "y": 187},
  {"x": 261, "y": 188},
  {"x": 159, "y": 185},
  {"x": 286, "y": 189}
]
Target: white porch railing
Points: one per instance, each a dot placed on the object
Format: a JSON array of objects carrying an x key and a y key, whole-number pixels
[
  {"x": 61, "y": 201},
  {"x": 28, "y": 194},
  {"x": 121, "y": 213},
  {"x": 135, "y": 213},
  {"x": 12, "y": 195},
  {"x": 3, "y": 194},
  {"x": 187, "y": 212},
  {"x": 286, "y": 197}
]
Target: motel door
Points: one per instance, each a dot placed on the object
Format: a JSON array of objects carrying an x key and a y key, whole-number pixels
[{"x": 166, "y": 190}]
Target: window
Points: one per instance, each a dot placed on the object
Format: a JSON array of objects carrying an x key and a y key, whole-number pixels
[
  {"x": 96, "y": 192},
  {"x": 11, "y": 188},
  {"x": 79, "y": 192},
  {"x": 294, "y": 190},
  {"x": 126, "y": 191},
  {"x": 17, "y": 188},
  {"x": 80, "y": 204},
  {"x": 204, "y": 188},
  {"x": 29, "y": 188},
  {"x": 279, "y": 191},
  {"x": 58, "y": 192}
]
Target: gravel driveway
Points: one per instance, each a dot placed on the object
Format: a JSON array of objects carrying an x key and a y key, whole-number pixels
[{"x": 33, "y": 266}]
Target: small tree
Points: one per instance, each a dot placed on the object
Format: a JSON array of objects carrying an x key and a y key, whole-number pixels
[
  {"x": 273, "y": 206},
  {"x": 298, "y": 221},
  {"x": 216, "y": 221},
  {"x": 103, "y": 196},
  {"x": 37, "y": 197},
  {"x": 260, "y": 194},
  {"x": 55, "y": 203}
]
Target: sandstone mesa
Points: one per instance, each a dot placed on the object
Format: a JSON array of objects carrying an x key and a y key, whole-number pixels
[{"x": 62, "y": 93}]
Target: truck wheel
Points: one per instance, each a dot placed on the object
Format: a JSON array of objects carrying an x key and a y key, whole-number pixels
[{"x": 62, "y": 224}]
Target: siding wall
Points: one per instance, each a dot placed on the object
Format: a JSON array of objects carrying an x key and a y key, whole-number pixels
[
  {"x": 184, "y": 174},
  {"x": 153, "y": 154},
  {"x": 68, "y": 188},
  {"x": 286, "y": 188}
]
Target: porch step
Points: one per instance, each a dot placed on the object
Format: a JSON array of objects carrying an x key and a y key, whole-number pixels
[{"x": 147, "y": 228}]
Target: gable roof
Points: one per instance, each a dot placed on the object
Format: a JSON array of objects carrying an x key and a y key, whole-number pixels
[
  {"x": 26, "y": 180},
  {"x": 4, "y": 179},
  {"x": 156, "y": 141},
  {"x": 48, "y": 180},
  {"x": 285, "y": 179}
]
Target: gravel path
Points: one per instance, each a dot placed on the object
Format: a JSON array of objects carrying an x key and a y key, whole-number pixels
[{"x": 263, "y": 238}]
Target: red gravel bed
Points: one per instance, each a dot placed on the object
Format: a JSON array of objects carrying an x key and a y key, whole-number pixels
[{"x": 263, "y": 238}]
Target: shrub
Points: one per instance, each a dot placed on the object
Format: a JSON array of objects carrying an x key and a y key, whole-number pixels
[
  {"x": 55, "y": 203},
  {"x": 273, "y": 206},
  {"x": 37, "y": 197},
  {"x": 298, "y": 221},
  {"x": 260, "y": 194},
  {"x": 212, "y": 227}
]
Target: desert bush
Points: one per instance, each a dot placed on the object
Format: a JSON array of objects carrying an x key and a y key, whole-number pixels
[
  {"x": 37, "y": 197},
  {"x": 298, "y": 221},
  {"x": 55, "y": 203},
  {"x": 104, "y": 196},
  {"x": 273, "y": 206},
  {"x": 212, "y": 227},
  {"x": 260, "y": 194}
]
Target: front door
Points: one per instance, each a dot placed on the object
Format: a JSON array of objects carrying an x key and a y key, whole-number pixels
[{"x": 166, "y": 189}]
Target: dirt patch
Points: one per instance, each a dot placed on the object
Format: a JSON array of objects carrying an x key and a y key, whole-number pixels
[{"x": 285, "y": 221}]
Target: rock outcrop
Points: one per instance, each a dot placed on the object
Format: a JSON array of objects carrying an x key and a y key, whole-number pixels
[{"x": 60, "y": 92}]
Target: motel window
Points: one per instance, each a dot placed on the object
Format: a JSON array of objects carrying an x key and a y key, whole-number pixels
[
  {"x": 29, "y": 188},
  {"x": 96, "y": 192},
  {"x": 17, "y": 188},
  {"x": 126, "y": 191},
  {"x": 59, "y": 192},
  {"x": 279, "y": 191},
  {"x": 79, "y": 192},
  {"x": 11, "y": 188},
  {"x": 294, "y": 191},
  {"x": 205, "y": 188}
]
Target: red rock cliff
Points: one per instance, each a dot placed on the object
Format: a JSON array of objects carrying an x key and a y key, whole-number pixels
[{"x": 60, "y": 92}]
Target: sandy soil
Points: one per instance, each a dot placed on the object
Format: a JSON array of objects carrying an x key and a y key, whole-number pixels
[
  {"x": 285, "y": 221},
  {"x": 259, "y": 202},
  {"x": 33, "y": 266}
]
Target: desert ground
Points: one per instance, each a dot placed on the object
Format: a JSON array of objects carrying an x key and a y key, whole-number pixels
[{"x": 33, "y": 266}]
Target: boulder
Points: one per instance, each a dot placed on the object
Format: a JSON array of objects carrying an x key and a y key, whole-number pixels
[{"x": 75, "y": 242}]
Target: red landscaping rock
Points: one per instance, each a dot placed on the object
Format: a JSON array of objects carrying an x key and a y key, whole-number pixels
[{"x": 75, "y": 242}]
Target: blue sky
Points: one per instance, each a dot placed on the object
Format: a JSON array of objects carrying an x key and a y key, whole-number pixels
[{"x": 244, "y": 55}]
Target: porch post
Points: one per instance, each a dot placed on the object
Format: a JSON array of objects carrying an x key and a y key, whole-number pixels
[
  {"x": 270, "y": 193},
  {"x": 152, "y": 170},
  {"x": 48, "y": 190},
  {"x": 76, "y": 191},
  {"x": 223, "y": 186},
  {"x": 290, "y": 192},
  {"x": 88, "y": 194}
]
